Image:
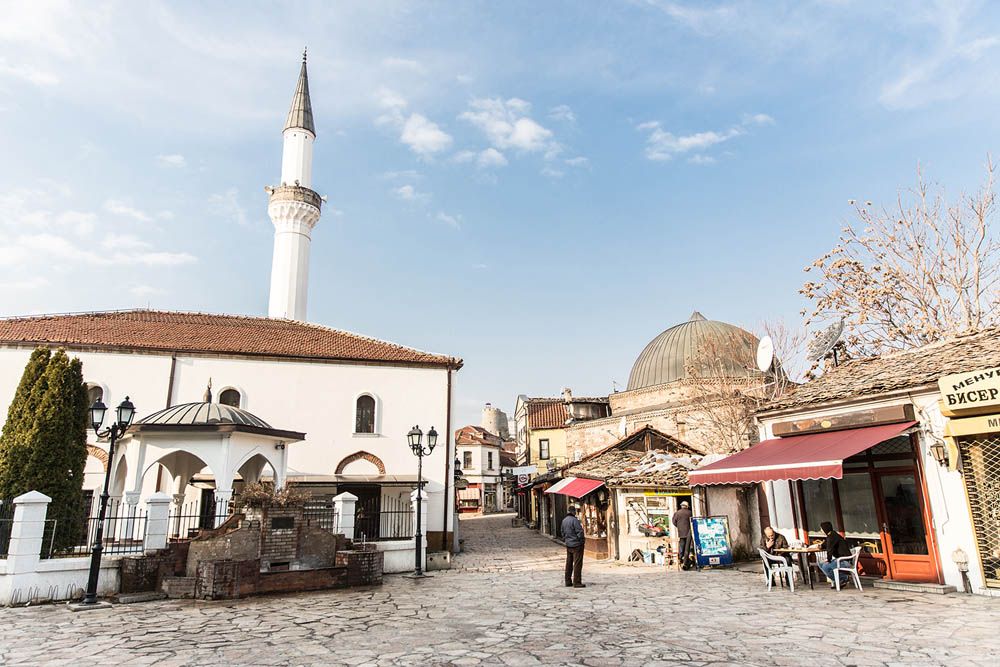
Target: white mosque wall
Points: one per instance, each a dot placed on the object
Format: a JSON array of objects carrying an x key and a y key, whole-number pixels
[{"x": 311, "y": 397}]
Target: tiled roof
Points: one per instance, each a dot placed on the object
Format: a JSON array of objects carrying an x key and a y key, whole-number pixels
[
  {"x": 619, "y": 466},
  {"x": 476, "y": 435},
  {"x": 200, "y": 332},
  {"x": 546, "y": 413},
  {"x": 675, "y": 475},
  {"x": 897, "y": 371}
]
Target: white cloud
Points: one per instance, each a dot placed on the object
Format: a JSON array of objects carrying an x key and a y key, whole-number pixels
[
  {"x": 662, "y": 145},
  {"x": 405, "y": 174},
  {"x": 552, "y": 172},
  {"x": 227, "y": 204},
  {"x": 409, "y": 193},
  {"x": 119, "y": 207},
  {"x": 701, "y": 159},
  {"x": 404, "y": 64},
  {"x": 465, "y": 79},
  {"x": 124, "y": 242},
  {"x": 424, "y": 136},
  {"x": 562, "y": 113},
  {"x": 27, "y": 74},
  {"x": 171, "y": 160},
  {"x": 450, "y": 220},
  {"x": 164, "y": 258},
  {"x": 146, "y": 290},
  {"x": 578, "y": 161},
  {"x": 24, "y": 284},
  {"x": 491, "y": 157},
  {"x": 507, "y": 125}
]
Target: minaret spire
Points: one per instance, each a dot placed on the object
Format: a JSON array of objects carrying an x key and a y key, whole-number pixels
[
  {"x": 300, "y": 114},
  {"x": 294, "y": 208}
]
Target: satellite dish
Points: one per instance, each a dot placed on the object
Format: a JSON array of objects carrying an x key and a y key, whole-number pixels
[
  {"x": 826, "y": 340},
  {"x": 765, "y": 354}
]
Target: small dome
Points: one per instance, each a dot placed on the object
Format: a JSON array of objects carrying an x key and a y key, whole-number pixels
[
  {"x": 670, "y": 356},
  {"x": 204, "y": 414}
]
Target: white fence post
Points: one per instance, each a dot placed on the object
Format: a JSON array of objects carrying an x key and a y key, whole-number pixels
[
  {"x": 157, "y": 522},
  {"x": 423, "y": 521},
  {"x": 343, "y": 507},
  {"x": 26, "y": 533}
]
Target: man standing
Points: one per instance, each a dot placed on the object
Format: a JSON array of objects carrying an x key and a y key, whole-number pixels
[
  {"x": 682, "y": 523},
  {"x": 572, "y": 532}
]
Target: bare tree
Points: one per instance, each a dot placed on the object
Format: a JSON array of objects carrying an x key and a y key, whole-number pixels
[
  {"x": 913, "y": 274},
  {"x": 730, "y": 387}
]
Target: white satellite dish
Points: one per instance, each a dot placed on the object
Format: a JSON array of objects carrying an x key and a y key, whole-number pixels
[
  {"x": 765, "y": 354},
  {"x": 826, "y": 340}
]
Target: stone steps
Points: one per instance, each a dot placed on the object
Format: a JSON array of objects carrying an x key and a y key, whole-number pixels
[{"x": 913, "y": 587}]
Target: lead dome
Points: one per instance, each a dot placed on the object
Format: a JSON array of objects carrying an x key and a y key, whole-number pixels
[{"x": 672, "y": 355}]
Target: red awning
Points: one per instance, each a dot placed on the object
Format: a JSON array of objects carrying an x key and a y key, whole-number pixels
[
  {"x": 812, "y": 456},
  {"x": 575, "y": 487}
]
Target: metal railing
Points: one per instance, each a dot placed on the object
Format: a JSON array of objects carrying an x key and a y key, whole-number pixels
[
  {"x": 322, "y": 515},
  {"x": 395, "y": 520},
  {"x": 186, "y": 520},
  {"x": 6, "y": 525},
  {"x": 72, "y": 535}
]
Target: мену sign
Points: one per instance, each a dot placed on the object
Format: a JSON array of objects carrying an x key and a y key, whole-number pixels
[{"x": 970, "y": 391}]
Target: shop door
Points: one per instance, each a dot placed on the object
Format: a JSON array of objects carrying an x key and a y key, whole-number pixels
[{"x": 905, "y": 526}]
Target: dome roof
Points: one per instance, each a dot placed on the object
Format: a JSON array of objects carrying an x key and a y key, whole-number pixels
[
  {"x": 670, "y": 355},
  {"x": 203, "y": 414}
]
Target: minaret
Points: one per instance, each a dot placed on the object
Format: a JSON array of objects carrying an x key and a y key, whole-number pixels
[{"x": 294, "y": 209}]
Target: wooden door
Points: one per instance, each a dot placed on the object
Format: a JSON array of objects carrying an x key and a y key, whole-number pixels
[{"x": 905, "y": 526}]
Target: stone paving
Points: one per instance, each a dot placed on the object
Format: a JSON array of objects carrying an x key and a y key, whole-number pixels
[{"x": 504, "y": 604}]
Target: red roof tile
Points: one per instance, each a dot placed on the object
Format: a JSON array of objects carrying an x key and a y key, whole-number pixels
[
  {"x": 201, "y": 332},
  {"x": 547, "y": 413}
]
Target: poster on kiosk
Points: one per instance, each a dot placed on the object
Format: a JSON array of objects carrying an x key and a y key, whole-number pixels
[{"x": 711, "y": 541}]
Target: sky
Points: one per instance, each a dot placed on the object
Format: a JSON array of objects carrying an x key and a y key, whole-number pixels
[{"x": 538, "y": 188}]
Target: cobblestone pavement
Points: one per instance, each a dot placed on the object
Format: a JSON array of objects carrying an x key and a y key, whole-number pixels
[{"x": 504, "y": 604}]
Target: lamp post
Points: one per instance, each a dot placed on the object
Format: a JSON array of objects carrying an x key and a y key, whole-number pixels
[
  {"x": 126, "y": 411},
  {"x": 415, "y": 438}
]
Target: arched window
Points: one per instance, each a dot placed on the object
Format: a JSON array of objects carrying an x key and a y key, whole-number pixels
[
  {"x": 230, "y": 397},
  {"x": 364, "y": 421},
  {"x": 94, "y": 393}
]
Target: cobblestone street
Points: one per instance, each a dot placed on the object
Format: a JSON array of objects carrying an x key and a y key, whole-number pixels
[{"x": 504, "y": 603}]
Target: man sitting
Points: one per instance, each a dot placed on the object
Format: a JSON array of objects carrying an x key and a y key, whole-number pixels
[{"x": 836, "y": 547}]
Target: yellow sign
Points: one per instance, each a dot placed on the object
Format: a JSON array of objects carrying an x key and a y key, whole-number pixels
[
  {"x": 972, "y": 425},
  {"x": 971, "y": 391}
]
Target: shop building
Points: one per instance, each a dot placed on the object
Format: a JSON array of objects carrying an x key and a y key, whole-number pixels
[
  {"x": 902, "y": 470},
  {"x": 478, "y": 453}
]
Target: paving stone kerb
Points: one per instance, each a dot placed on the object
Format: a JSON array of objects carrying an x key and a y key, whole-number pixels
[{"x": 504, "y": 604}]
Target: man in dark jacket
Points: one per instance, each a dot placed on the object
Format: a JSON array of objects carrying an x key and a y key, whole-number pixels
[
  {"x": 682, "y": 526},
  {"x": 572, "y": 533},
  {"x": 836, "y": 547}
]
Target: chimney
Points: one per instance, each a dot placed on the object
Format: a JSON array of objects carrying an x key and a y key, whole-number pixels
[{"x": 567, "y": 394}]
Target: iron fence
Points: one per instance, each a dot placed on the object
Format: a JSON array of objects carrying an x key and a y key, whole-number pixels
[
  {"x": 186, "y": 520},
  {"x": 73, "y": 533},
  {"x": 375, "y": 518},
  {"x": 6, "y": 525},
  {"x": 322, "y": 515},
  {"x": 395, "y": 520}
]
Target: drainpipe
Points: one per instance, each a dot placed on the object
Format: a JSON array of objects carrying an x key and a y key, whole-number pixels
[
  {"x": 614, "y": 519},
  {"x": 447, "y": 471},
  {"x": 170, "y": 380}
]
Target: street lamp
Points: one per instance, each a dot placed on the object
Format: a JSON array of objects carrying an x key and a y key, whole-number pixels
[
  {"x": 126, "y": 411},
  {"x": 415, "y": 438}
]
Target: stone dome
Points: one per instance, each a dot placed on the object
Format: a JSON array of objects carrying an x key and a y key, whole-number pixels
[
  {"x": 671, "y": 355},
  {"x": 203, "y": 414}
]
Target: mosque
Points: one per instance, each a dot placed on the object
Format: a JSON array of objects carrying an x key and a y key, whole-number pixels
[{"x": 227, "y": 399}]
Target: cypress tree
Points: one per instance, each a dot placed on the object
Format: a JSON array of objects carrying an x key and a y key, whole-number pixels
[
  {"x": 49, "y": 441},
  {"x": 20, "y": 412}
]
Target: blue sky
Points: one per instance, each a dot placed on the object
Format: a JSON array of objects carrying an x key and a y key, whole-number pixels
[{"x": 539, "y": 188}]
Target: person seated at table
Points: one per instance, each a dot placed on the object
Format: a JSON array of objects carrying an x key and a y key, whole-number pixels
[
  {"x": 836, "y": 547},
  {"x": 772, "y": 540}
]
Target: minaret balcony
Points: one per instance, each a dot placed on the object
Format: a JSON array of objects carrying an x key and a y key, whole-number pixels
[{"x": 293, "y": 193}]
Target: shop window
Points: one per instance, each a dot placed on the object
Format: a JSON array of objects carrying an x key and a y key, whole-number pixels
[
  {"x": 857, "y": 506},
  {"x": 364, "y": 419},
  {"x": 230, "y": 397},
  {"x": 647, "y": 514},
  {"x": 466, "y": 460},
  {"x": 543, "y": 449},
  {"x": 818, "y": 497}
]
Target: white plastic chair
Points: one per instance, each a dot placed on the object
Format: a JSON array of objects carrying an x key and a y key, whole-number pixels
[
  {"x": 777, "y": 566},
  {"x": 847, "y": 564}
]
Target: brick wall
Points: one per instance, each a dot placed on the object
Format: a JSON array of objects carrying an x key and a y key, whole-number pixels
[
  {"x": 146, "y": 572},
  {"x": 364, "y": 568},
  {"x": 238, "y": 545},
  {"x": 226, "y": 579},
  {"x": 303, "y": 580}
]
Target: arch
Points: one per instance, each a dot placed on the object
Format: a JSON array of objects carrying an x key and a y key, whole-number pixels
[
  {"x": 95, "y": 392},
  {"x": 99, "y": 454},
  {"x": 361, "y": 456},
  {"x": 232, "y": 396},
  {"x": 366, "y": 414},
  {"x": 253, "y": 467}
]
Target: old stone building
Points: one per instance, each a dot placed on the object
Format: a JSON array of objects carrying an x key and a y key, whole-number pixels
[{"x": 696, "y": 381}]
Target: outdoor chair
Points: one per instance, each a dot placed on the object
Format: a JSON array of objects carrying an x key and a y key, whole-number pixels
[
  {"x": 848, "y": 564},
  {"x": 776, "y": 566}
]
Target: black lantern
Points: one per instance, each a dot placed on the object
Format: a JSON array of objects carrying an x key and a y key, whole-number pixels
[
  {"x": 939, "y": 452},
  {"x": 414, "y": 437},
  {"x": 97, "y": 411},
  {"x": 126, "y": 411},
  {"x": 432, "y": 439}
]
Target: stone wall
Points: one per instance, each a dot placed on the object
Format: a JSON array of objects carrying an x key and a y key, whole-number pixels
[
  {"x": 303, "y": 580},
  {"x": 240, "y": 545},
  {"x": 226, "y": 579}
]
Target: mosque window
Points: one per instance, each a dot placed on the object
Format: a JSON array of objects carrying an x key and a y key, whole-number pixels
[
  {"x": 230, "y": 397},
  {"x": 365, "y": 415},
  {"x": 94, "y": 393}
]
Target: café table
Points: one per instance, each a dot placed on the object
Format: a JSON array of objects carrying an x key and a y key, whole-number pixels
[{"x": 803, "y": 554}]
